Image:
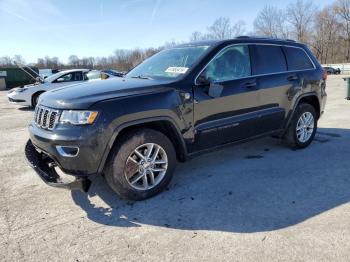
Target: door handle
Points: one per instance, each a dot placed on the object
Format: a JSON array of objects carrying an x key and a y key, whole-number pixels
[
  {"x": 249, "y": 84},
  {"x": 292, "y": 78}
]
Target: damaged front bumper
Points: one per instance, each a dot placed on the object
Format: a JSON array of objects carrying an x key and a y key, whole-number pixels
[{"x": 44, "y": 166}]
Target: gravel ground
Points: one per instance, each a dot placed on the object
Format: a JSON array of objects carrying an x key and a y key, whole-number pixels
[{"x": 258, "y": 201}]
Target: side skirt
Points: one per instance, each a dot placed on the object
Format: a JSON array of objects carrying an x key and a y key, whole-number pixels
[{"x": 214, "y": 148}]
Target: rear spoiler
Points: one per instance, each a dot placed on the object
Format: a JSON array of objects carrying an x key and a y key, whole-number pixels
[{"x": 29, "y": 71}]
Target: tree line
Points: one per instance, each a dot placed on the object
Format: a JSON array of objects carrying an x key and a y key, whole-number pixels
[{"x": 326, "y": 30}]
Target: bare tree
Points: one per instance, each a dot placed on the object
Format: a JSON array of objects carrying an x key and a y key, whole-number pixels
[
  {"x": 6, "y": 61},
  {"x": 327, "y": 29},
  {"x": 222, "y": 29},
  {"x": 40, "y": 63},
  {"x": 196, "y": 36},
  {"x": 73, "y": 61},
  {"x": 219, "y": 30},
  {"x": 238, "y": 29},
  {"x": 342, "y": 8},
  {"x": 271, "y": 22},
  {"x": 300, "y": 15},
  {"x": 18, "y": 59}
]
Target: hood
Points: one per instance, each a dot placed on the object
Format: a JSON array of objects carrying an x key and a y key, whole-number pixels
[
  {"x": 20, "y": 88},
  {"x": 32, "y": 85},
  {"x": 82, "y": 96}
]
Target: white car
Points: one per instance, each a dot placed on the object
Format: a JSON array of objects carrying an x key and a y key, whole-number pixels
[{"x": 28, "y": 95}]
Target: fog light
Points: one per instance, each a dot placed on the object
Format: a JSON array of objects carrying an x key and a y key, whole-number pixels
[{"x": 68, "y": 151}]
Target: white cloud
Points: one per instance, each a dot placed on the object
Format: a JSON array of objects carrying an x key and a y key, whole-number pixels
[
  {"x": 30, "y": 11},
  {"x": 155, "y": 9}
]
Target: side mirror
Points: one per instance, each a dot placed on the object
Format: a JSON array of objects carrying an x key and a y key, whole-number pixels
[
  {"x": 203, "y": 81},
  {"x": 59, "y": 80}
]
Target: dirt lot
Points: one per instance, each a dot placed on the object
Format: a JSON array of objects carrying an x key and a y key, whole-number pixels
[{"x": 258, "y": 201}]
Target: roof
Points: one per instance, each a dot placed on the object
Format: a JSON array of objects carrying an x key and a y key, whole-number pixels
[
  {"x": 241, "y": 39},
  {"x": 73, "y": 70}
]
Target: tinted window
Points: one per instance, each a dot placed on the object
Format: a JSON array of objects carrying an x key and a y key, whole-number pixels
[
  {"x": 77, "y": 76},
  {"x": 229, "y": 64},
  {"x": 269, "y": 59},
  {"x": 297, "y": 59}
]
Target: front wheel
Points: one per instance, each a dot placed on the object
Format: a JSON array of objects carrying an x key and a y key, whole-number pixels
[
  {"x": 35, "y": 98},
  {"x": 303, "y": 126},
  {"x": 141, "y": 165}
]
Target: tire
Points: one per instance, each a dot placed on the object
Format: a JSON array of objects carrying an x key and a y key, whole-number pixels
[
  {"x": 35, "y": 98},
  {"x": 121, "y": 168},
  {"x": 296, "y": 139}
]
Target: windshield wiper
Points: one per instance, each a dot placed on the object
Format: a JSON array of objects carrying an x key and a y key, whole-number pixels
[{"x": 142, "y": 77}]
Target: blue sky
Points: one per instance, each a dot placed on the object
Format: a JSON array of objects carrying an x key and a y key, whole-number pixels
[{"x": 60, "y": 28}]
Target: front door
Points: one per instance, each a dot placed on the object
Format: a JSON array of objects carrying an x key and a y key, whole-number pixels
[
  {"x": 226, "y": 99},
  {"x": 68, "y": 79}
]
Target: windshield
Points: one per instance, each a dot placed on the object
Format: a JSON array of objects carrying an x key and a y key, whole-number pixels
[
  {"x": 93, "y": 75},
  {"x": 170, "y": 63}
]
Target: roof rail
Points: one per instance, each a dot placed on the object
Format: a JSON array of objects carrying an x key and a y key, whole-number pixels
[
  {"x": 243, "y": 36},
  {"x": 264, "y": 37}
]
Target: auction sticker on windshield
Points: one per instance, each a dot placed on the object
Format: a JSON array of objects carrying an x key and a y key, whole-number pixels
[{"x": 176, "y": 70}]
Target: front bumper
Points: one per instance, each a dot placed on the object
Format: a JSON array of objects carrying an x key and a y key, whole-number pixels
[
  {"x": 85, "y": 138},
  {"x": 44, "y": 166},
  {"x": 18, "y": 98}
]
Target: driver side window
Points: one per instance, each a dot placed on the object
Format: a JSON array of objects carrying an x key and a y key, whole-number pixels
[
  {"x": 229, "y": 64},
  {"x": 74, "y": 76},
  {"x": 64, "y": 78}
]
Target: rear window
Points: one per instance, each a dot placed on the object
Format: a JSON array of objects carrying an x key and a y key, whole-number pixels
[
  {"x": 297, "y": 59},
  {"x": 269, "y": 59}
]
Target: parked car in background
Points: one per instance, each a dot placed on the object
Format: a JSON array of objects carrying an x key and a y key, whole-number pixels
[
  {"x": 180, "y": 102},
  {"x": 98, "y": 75},
  {"x": 332, "y": 71},
  {"x": 114, "y": 72},
  {"x": 28, "y": 95}
]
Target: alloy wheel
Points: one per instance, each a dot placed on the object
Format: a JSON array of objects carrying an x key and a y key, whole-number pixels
[
  {"x": 146, "y": 166},
  {"x": 305, "y": 127}
]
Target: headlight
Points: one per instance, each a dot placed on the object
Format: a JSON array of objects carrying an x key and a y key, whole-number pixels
[
  {"x": 78, "y": 117},
  {"x": 19, "y": 90}
]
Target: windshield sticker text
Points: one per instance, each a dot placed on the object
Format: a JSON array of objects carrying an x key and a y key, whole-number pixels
[{"x": 176, "y": 70}]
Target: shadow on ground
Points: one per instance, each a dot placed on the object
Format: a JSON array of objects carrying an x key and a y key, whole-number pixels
[
  {"x": 253, "y": 187},
  {"x": 26, "y": 109}
]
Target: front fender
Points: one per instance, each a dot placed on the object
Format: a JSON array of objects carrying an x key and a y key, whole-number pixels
[{"x": 120, "y": 113}]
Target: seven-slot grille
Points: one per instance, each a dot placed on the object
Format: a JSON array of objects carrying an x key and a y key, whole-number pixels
[{"x": 45, "y": 118}]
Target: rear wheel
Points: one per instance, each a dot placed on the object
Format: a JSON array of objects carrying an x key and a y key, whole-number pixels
[
  {"x": 303, "y": 126},
  {"x": 141, "y": 165}
]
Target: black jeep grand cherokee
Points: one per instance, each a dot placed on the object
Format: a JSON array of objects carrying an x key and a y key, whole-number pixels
[{"x": 182, "y": 101}]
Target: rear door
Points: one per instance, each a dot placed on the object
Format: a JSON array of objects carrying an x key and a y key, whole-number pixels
[
  {"x": 303, "y": 70},
  {"x": 225, "y": 110},
  {"x": 274, "y": 80}
]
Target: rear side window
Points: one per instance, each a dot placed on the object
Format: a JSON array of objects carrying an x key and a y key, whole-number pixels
[
  {"x": 269, "y": 59},
  {"x": 297, "y": 59}
]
